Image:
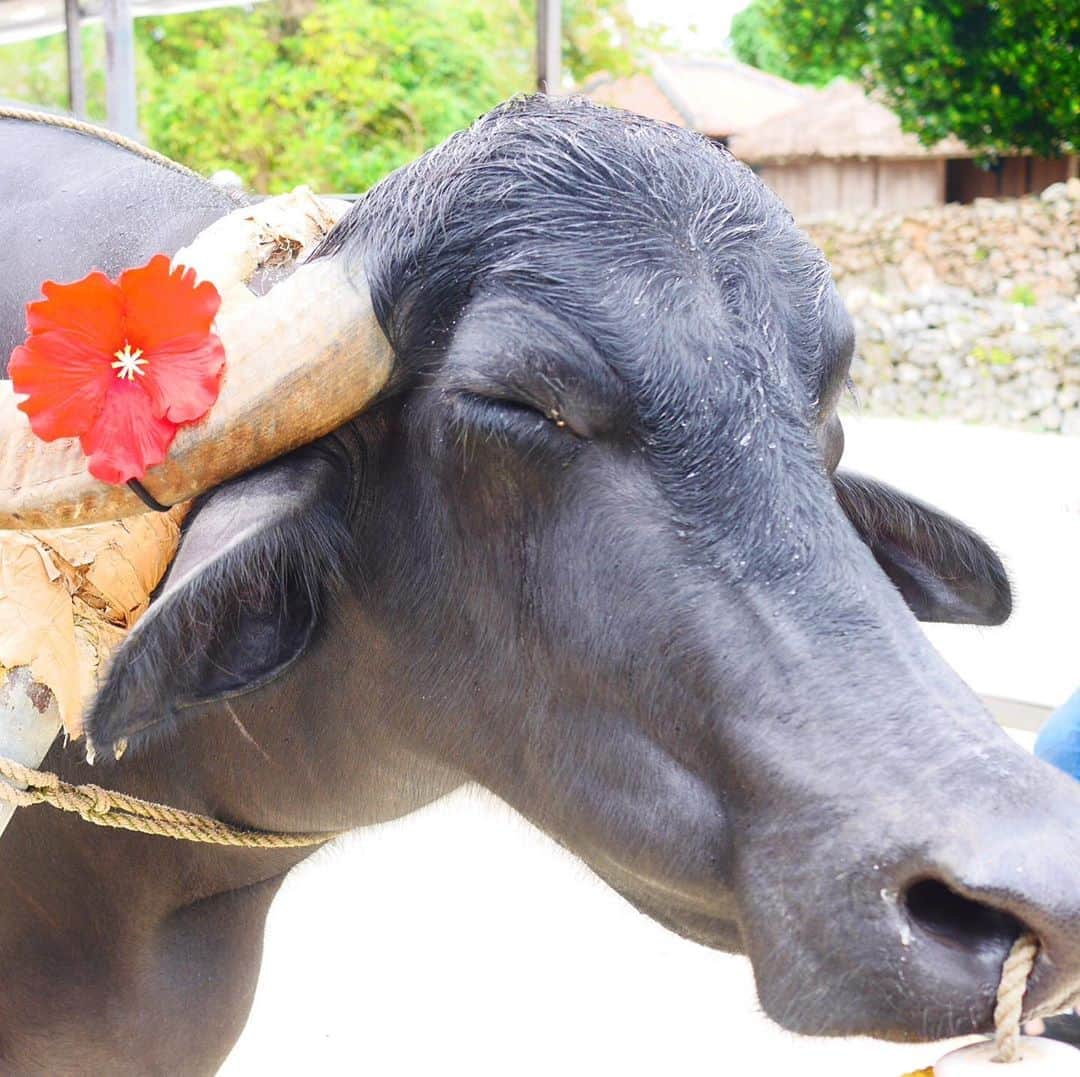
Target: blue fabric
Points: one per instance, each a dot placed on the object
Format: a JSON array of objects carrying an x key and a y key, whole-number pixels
[{"x": 1059, "y": 741}]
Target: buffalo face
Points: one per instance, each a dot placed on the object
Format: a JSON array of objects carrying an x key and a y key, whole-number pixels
[{"x": 599, "y": 557}]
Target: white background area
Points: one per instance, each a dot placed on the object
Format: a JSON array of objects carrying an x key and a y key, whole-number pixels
[
  {"x": 1021, "y": 492},
  {"x": 462, "y": 941},
  {"x": 694, "y": 25}
]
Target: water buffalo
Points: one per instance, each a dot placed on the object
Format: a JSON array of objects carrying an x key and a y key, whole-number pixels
[{"x": 590, "y": 548}]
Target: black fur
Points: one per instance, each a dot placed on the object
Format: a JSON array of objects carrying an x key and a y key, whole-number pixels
[
  {"x": 943, "y": 569},
  {"x": 259, "y": 558}
]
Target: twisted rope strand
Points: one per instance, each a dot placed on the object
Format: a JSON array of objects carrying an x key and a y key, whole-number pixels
[
  {"x": 106, "y": 807},
  {"x": 1010, "y": 997},
  {"x": 51, "y": 119}
]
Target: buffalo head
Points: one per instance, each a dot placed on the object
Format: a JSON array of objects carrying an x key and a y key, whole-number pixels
[{"x": 590, "y": 548}]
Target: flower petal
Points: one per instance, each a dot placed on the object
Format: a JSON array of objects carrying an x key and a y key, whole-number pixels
[
  {"x": 66, "y": 378},
  {"x": 93, "y": 306},
  {"x": 127, "y": 437},
  {"x": 183, "y": 378},
  {"x": 163, "y": 304}
]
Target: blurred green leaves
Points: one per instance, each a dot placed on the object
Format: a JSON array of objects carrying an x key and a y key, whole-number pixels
[
  {"x": 807, "y": 42},
  {"x": 1001, "y": 76},
  {"x": 333, "y": 93}
]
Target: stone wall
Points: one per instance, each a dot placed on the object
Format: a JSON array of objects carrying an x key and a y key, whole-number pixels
[{"x": 966, "y": 311}]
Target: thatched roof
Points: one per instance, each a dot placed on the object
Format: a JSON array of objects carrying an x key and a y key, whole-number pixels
[
  {"x": 716, "y": 97},
  {"x": 638, "y": 93},
  {"x": 840, "y": 121}
]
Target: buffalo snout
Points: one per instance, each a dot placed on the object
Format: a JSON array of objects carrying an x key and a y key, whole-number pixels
[{"x": 906, "y": 937}]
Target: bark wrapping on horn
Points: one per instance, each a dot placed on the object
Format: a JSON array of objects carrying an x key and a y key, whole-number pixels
[
  {"x": 67, "y": 598},
  {"x": 274, "y": 233}
]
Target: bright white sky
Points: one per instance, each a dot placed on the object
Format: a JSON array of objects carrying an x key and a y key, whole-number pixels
[{"x": 695, "y": 25}]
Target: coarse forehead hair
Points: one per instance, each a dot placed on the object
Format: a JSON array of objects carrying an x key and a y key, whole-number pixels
[{"x": 621, "y": 225}]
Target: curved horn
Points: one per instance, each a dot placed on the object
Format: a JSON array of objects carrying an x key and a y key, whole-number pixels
[{"x": 301, "y": 360}]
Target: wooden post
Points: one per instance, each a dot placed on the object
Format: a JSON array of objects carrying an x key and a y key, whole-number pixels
[
  {"x": 549, "y": 46},
  {"x": 120, "y": 67},
  {"x": 76, "y": 82}
]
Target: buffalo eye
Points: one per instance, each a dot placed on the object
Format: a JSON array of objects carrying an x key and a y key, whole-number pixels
[{"x": 513, "y": 415}]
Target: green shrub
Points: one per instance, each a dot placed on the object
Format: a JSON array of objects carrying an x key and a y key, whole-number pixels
[{"x": 333, "y": 93}]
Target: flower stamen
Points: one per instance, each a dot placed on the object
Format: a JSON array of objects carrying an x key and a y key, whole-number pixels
[{"x": 128, "y": 362}]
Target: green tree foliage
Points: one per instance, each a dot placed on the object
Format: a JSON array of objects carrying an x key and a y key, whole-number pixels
[
  {"x": 335, "y": 96},
  {"x": 811, "y": 43},
  {"x": 1001, "y": 75},
  {"x": 334, "y": 93},
  {"x": 753, "y": 42},
  {"x": 598, "y": 36}
]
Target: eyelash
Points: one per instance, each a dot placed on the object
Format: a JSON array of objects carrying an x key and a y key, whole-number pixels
[
  {"x": 507, "y": 417},
  {"x": 503, "y": 406}
]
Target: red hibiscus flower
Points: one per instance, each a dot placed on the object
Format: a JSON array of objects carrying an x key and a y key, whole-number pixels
[{"x": 121, "y": 366}]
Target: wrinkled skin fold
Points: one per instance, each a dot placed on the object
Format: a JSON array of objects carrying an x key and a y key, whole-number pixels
[{"x": 593, "y": 549}]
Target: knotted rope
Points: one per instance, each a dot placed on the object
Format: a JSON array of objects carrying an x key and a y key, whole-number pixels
[
  {"x": 106, "y": 807},
  {"x": 1010, "y": 997}
]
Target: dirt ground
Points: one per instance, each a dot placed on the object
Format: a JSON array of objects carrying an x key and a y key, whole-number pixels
[{"x": 462, "y": 941}]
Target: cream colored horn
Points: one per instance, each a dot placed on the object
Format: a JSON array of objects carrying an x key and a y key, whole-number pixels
[{"x": 300, "y": 361}]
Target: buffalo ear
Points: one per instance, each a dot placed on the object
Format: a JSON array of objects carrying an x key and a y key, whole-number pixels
[
  {"x": 944, "y": 570},
  {"x": 241, "y": 600}
]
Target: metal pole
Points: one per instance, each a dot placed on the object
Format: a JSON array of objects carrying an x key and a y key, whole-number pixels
[
  {"x": 549, "y": 46},
  {"x": 120, "y": 67},
  {"x": 76, "y": 82}
]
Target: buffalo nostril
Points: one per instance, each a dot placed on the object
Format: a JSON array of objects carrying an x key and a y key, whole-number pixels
[{"x": 957, "y": 920}]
